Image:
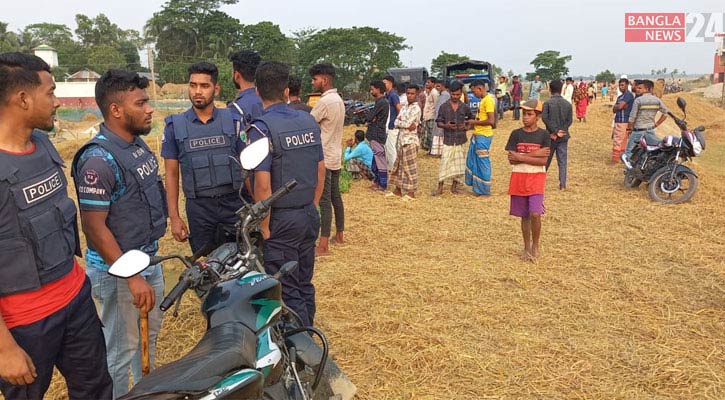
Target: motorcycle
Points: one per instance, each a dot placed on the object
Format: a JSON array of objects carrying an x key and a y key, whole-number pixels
[
  {"x": 255, "y": 347},
  {"x": 356, "y": 112},
  {"x": 659, "y": 162}
]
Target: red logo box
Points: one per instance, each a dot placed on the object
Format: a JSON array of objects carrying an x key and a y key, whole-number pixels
[{"x": 654, "y": 27}]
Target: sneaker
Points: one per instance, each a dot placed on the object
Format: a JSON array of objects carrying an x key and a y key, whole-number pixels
[{"x": 626, "y": 162}]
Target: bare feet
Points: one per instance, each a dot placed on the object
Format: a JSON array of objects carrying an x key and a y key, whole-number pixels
[
  {"x": 323, "y": 247},
  {"x": 525, "y": 255},
  {"x": 339, "y": 238}
]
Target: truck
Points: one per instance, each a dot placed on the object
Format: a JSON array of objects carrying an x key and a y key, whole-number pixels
[
  {"x": 417, "y": 75},
  {"x": 469, "y": 71}
]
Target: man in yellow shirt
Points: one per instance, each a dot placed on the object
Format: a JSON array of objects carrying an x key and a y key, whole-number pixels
[{"x": 478, "y": 163}]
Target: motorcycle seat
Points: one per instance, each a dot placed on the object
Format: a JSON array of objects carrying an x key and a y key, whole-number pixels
[{"x": 223, "y": 349}]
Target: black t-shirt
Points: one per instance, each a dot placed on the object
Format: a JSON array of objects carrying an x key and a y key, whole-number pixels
[{"x": 521, "y": 141}]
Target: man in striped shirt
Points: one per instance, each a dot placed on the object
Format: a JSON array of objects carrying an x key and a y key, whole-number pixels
[
  {"x": 528, "y": 149},
  {"x": 642, "y": 117}
]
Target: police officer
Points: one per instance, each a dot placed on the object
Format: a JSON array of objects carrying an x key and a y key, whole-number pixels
[
  {"x": 292, "y": 226},
  {"x": 123, "y": 207},
  {"x": 203, "y": 141},
  {"x": 247, "y": 105},
  {"x": 47, "y": 316}
]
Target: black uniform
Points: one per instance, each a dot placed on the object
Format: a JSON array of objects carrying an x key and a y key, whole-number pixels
[
  {"x": 295, "y": 221},
  {"x": 210, "y": 178}
]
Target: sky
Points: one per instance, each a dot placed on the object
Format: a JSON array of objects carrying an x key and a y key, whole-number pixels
[{"x": 508, "y": 33}]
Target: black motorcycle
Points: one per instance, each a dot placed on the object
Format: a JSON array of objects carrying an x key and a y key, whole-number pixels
[
  {"x": 255, "y": 347},
  {"x": 660, "y": 162}
]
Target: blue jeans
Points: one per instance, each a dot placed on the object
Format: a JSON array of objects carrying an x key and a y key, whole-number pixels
[
  {"x": 517, "y": 112},
  {"x": 121, "y": 326},
  {"x": 560, "y": 148},
  {"x": 634, "y": 138}
]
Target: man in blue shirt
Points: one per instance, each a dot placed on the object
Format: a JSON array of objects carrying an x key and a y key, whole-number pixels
[
  {"x": 292, "y": 225},
  {"x": 391, "y": 151},
  {"x": 360, "y": 157},
  {"x": 202, "y": 143},
  {"x": 621, "y": 110},
  {"x": 122, "y": 204},
  {"x": 247, "y": 104}
]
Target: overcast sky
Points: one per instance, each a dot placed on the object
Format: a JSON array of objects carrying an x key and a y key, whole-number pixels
[{"x": 508, "y": 33}]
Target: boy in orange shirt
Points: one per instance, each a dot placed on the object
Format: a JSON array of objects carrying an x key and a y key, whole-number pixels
[{"x": 528, "y": 150}]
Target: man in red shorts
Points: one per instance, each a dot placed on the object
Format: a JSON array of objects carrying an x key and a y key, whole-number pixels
[
  {"x": 528, "y": 149},
  {"x": 47, "y": 316}
]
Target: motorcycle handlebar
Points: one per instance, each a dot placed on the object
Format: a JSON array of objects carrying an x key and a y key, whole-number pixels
[
  {"x": 175, "y": 294},
  {"x": 266, "y": 203}
]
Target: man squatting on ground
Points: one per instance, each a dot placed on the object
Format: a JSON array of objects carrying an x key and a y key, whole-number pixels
[
  {"x": 123, "y": 207},
  {"x": 292, "y": 225},
  {"x": 47, "y": 316},
  {"x": 201, "y": 142}
]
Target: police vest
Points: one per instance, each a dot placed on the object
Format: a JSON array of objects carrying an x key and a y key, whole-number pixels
[
  {"x": 205, "y": 155},
  {"x": 138, "y": 216},
  {"x": 39, "y": 243},
  {"x": 296, "y": 145}
]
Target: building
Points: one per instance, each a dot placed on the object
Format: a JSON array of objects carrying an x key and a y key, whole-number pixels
[
  {"x": 48, "y": 54},
  {"x": 79, "y": 89},
  {"x": 718, "y": 71},
  {"x": 84, "y": 75}
]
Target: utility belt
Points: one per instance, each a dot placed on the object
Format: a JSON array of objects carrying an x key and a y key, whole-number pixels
[
  {"x": 218, "y": 192},
  {"x": 290, "y": 208}
]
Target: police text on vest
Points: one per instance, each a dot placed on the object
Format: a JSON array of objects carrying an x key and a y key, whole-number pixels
[
  {"x": 297, "y": 140},
  {"x": 40, "y": 190},
  {"x": 147, "y": 168}
]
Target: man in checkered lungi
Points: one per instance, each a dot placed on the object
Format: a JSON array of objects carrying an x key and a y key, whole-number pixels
[
  {"x": 405, "y": 170},
  {"x": 453, "y": 118}
]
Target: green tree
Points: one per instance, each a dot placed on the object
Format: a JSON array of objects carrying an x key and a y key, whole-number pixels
[
  {"x": 438, "y": 64},
  {"x": 359, "y": 53},
  {"x": 71, "y": 55},
  {"x": 549, "y": 65},
  {"x": 100, "y": 36},
  {"x": 268, "y": 40},
  {"x": 673, "y": 73},
  {"x": 193, "y": 29},
  {"x": 605, "y": 76},
  {"x": 8, "y": 40},
  {"x": 104, "y": 57}
]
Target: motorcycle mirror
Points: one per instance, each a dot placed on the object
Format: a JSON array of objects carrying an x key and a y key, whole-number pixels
[
  {"x": 681, "y": 103},
  {"x": 285, "y": 269},
  {"x": 254, "y": 154},
  {"x": 129, "y": 264}
]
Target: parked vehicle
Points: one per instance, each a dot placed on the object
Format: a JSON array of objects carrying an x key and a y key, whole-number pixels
[
  {"x": 254, "y": 347},
  {"x": 356, "y": 112},
  {"x": 469, "y": 71},
  {"x": 660, "y": 162},
  {"x": 417, "y": 75}
]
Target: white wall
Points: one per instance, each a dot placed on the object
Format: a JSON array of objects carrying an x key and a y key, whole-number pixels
[{"x": 75, "y": 89}]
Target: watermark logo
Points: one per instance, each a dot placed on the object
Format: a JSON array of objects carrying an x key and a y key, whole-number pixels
[{"x": 672, "y": 27}]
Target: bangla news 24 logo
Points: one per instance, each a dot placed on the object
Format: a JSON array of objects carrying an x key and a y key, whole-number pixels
[{"x": 673, "y": 27}]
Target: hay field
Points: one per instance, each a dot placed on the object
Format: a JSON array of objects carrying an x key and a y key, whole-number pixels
[{"x": 429, "y": 300}]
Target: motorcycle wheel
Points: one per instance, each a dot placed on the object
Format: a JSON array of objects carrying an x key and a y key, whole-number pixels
[
  {"x": 630, "y": 181},
  {"x": 678, "y": 189}
]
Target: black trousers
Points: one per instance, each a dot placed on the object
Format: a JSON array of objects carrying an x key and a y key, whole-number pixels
[
  {"x": 205, "y": 214},
  {"x": 72, "y": 340},
  {"x": 331, "y": 200},
  {"x": 293, "y": 233}
]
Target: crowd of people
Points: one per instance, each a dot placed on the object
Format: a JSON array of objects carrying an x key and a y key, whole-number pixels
[{"x": 48, "y": 316}]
